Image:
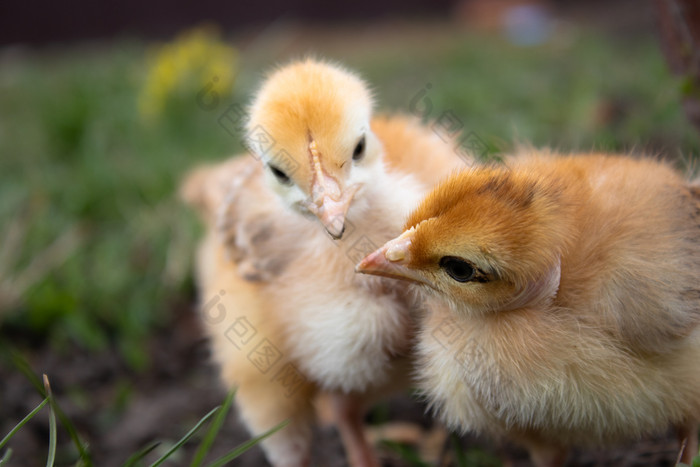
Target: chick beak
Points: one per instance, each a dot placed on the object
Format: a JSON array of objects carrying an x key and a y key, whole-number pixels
[
  {"x": 328, "y": 201},
  {"x": 391, "y": 260},
  {"x": 332, "y": 209}
]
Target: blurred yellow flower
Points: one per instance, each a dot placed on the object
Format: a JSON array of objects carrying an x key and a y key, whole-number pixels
[{"x": 183, "y": 67}]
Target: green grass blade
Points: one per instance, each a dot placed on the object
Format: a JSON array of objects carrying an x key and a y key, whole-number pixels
[
  {"x": 140, "y": 454},
  {"x": 23, "y": 422},
  {"x": 247, "y": 445},
  {"x": 185, "y": 438},
  {"x": 24, "y": 367},
  {"x": 6, "y": 458},
  {"x": 51, "y": 458},
  {"x": 213, "y": 431}
]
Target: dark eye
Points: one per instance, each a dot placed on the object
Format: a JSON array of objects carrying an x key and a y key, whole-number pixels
[
  {"x": 359, "y": 151},
  {"x": 458, "y": 269},
  {"x": 282, "y": 177}
]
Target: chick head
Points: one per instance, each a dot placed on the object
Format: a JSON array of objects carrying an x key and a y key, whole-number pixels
[
  {"x": 310, "y": 125},
  {"x": 484, "y": 240}
]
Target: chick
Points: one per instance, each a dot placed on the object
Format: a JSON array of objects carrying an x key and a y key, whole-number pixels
[
  {"x": 264, "y": 262},
  {"x": 310, "y": 124},
  {"x": 564, "y": 301}
]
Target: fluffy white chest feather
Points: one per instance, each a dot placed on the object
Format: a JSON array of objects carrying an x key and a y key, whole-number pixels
[{"x": 342, "y": 328}]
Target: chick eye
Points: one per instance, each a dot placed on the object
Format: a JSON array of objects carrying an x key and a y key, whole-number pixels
[
  {"x": 359, "y": 151},
  {"x": 457, "y": 268},
  {"x": 281, "y": 177}
]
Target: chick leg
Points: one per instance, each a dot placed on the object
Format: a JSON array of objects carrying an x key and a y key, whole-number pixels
[
  {"x": 543, "y": 454},
  {"x": 262, "y": 405},
  {"x": 349, "y": 412},
  {"x": 688, "y": 439}
]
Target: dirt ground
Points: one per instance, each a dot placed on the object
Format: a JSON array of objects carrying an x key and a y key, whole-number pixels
[{"x": 119, "y": 412}]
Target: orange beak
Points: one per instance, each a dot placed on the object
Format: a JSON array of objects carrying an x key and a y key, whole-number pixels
[
  {"x": 391, "y": 260},
  {"x": 328, "y": 201}
]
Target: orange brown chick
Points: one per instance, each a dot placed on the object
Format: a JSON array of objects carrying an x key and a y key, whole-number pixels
[{"x": 565, "y": 301}]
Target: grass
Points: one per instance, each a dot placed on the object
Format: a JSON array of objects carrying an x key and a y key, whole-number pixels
[
  {"x": 77, "y": 156},
  {"x": 136, "y": 459}
]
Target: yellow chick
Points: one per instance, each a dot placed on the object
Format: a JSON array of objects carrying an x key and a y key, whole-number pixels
[
  {"x": 287, "y": 315},
  {"x": 565, "y": 301},
  {"x": 310, "y": 124}
]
